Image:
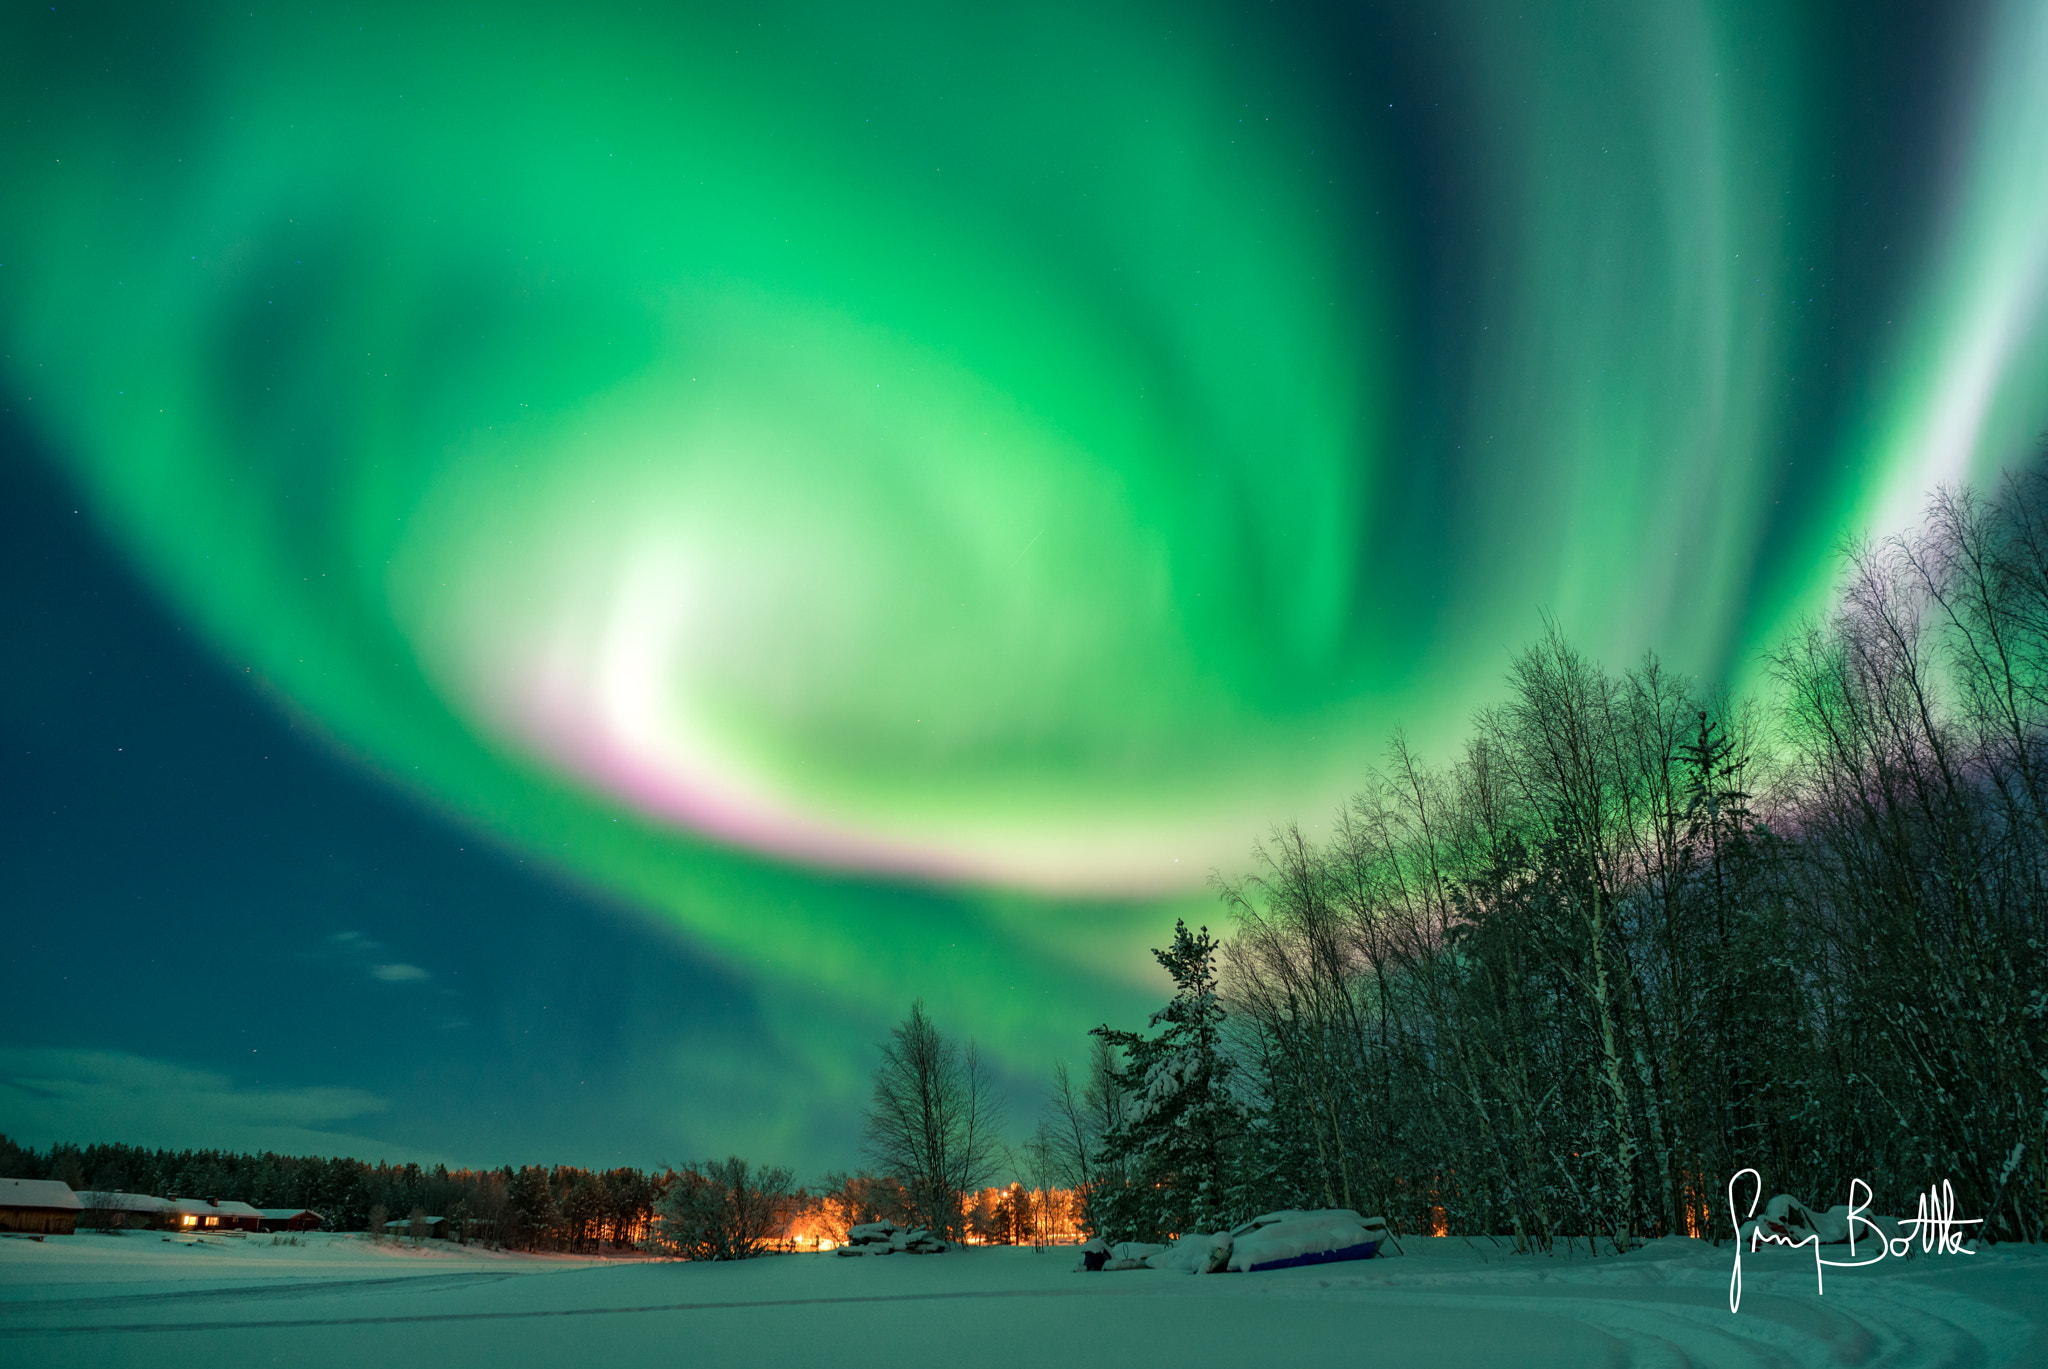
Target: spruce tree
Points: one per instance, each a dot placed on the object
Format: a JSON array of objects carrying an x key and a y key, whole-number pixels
[{"x": 1175, "y": 1141}]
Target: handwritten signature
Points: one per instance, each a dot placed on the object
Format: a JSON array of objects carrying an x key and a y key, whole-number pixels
[{"x": 1936, "y": 1227}]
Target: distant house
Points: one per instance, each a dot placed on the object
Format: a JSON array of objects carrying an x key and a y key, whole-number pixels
[
  {"x": 44, "y": 1207},
  {"x": 133, "y": 1210},
  {"x": 191, "y": 1214},
  {"x": 288, "y": 1219},
  {"x": 428, "y": 1226}
]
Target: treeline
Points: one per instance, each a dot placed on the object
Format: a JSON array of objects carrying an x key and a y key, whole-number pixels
[
  {"x": 716, "y": 1209},
  {"x": 530, "y": 1208},
  {"x": 1635, "y": 938}
]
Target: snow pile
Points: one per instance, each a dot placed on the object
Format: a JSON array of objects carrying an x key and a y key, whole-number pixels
[
  {"x": 1132, "y": 1254},
  {"x": 1278, "y": 1240},
  {"x": 1098, "y": 1254},
  {"x": 887, "y": 1238},
  {"x": 1786, "y": 1215},
  {"x": 1785, "y": 1218},
  {"x": 1195, "y": 1254}
]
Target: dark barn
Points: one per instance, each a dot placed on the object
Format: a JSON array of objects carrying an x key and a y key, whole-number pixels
[{"x": 42, "y": 1207}]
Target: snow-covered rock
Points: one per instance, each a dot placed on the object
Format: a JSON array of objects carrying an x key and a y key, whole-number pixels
[
  {"x": 887, "y": 1238},
  {"x": 871, "y": 1231}
]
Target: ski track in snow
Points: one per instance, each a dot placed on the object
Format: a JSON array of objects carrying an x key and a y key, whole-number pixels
[
  {"x": 1681, "y": 1318},
  {"x": 986, "y": 1295},
  {"x": 113, "y": 1301}
]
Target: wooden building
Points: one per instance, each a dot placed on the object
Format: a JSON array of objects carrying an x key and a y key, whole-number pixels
[
  {"x": 288, "y": 1219},
  {"x": 131, "y": 1211},
  {"x": 434, "y": 1228},
  {"x": 43, "y": 1207},
  {"x": 193, "y": 1214}
]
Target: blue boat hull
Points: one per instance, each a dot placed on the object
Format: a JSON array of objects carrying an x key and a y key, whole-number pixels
[{"x": 1364, "y": 1251}]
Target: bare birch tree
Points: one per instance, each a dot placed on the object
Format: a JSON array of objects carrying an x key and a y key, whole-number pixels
[{"x": 934, "y": 1123}]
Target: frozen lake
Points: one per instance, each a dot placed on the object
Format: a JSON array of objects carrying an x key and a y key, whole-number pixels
[{"x": 136, "y": 1299}]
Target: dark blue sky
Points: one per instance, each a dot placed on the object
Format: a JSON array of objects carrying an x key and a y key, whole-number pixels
[{"x": 225, "y": 934}]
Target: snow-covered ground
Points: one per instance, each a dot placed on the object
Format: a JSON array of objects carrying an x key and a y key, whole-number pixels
[{"x": 138, "y": 1300}]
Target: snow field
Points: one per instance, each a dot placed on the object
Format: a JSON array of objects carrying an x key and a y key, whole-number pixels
[{"x": 135, "y": 1300}]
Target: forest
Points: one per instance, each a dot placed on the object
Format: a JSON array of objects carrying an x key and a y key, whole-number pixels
[
  {"x": 1636, "y": 937},
  {"x": 532, "y": 1207}
]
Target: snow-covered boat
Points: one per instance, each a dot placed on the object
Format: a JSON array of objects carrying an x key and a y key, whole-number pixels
[
  {"x": 1285, "y": 1240},
  {"x": 1274, "y": 1240}
]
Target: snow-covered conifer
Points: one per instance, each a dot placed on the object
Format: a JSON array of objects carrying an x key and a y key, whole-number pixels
[{"x": 1176, "y": 1139}]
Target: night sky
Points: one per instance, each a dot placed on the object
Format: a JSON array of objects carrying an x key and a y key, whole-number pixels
[{"x": 562, "y": 564}]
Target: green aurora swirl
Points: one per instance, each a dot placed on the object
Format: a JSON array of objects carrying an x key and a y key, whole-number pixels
[{"x": 901, "y": 492}]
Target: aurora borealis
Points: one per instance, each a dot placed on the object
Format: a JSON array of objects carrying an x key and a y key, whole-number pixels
[{"x": 897, "y": 493}]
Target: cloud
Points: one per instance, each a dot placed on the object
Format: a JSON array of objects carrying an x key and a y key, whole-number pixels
[
  {"x": 364, "y": 951},
  {"x": 84, "y": 1096}
]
